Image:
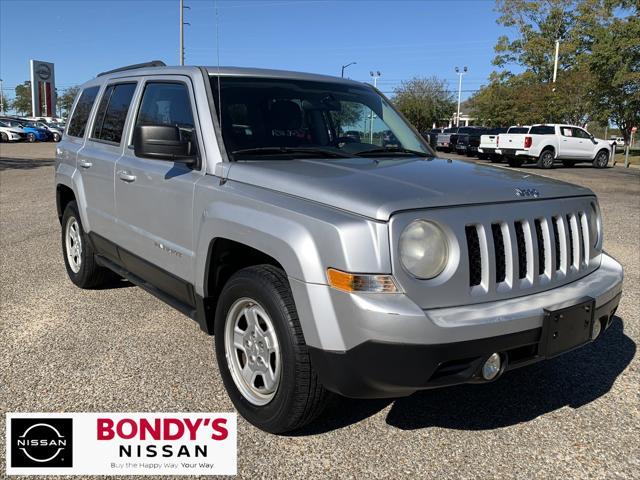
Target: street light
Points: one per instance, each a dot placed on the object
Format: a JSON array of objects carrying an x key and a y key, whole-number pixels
[
  {"x": 460, "y": 74},
  {"x": 375, "y": 76},
  {"x": 345, "y": 66}
]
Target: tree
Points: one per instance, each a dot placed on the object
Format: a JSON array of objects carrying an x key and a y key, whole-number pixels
[
  {"x": 22, "y": 101},
  {"x": 424, "y": 101},
  {"x": 615, "y": 65},
  {"x": 65, "y": 101}
]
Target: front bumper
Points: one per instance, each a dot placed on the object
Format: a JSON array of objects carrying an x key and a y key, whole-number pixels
[{"x": 399, "y": 353}]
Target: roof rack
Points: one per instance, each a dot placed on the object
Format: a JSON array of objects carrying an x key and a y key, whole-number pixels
[{"x": 153, "y": 63}]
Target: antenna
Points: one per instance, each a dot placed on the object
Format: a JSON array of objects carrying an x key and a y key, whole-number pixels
[{"x": 215, "y": 3}]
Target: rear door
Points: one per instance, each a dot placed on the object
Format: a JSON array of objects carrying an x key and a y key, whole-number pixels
[
  {"x": 154, "y": 198},
  {"x": 97, "y": 160}
]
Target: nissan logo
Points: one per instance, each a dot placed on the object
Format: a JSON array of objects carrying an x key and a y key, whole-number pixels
[
  {"x": 43, "y": 71},
  {"x": 527, "y": 192}
]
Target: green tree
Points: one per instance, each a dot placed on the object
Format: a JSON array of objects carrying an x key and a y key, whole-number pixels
[
  {"x": 22, "y": 101},
  {"x": 615, "y": 66},
  {"x": 424, "y": 101},
  {"x": 65, "y": 101}
]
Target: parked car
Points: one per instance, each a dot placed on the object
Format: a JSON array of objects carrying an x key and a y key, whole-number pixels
[
  {"x": 32, "y": 132},
  {"x": 431, "y": 136},
  {"x": 489, "y": 143},
  {"x": 463, "y": 140},
  {"x": 617, "y": 141},
  {"x": 323, "y": 266},
  {"x": 546, "y": 144},
  {"x": 10, "y": 133},
  {"x": 444, "y": 139},
  {"x": 53, "y": 129}
]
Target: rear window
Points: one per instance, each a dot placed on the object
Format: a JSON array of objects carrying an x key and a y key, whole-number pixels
[
  {"x": 78, "y": 121},
  {"x": 518, "y": 130},
  {"x": 543, "y": 130},
  {"x": 112, "y": 112}
]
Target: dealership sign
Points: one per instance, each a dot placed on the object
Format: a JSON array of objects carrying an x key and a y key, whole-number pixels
[{"x": 121, "y": 443}]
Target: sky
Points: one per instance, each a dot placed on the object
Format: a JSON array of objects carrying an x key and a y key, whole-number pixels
[{"x": 401, "y": 39}]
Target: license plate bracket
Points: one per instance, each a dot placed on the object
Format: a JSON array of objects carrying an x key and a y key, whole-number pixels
[{"x": 566, "y": 327}]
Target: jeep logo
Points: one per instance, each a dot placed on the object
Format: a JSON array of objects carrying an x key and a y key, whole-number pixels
[{"x": 527, "y": 192}]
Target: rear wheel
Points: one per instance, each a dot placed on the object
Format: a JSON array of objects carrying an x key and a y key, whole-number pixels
[
  {"x": 4, "y": 137},
  {"x": 545, "y": 160},
  {"x": 56, "y": 137},
  {"x": 31, "y": 137},
  {"x": 601, "y": 160},
  {"x": 262, "y": 356}
]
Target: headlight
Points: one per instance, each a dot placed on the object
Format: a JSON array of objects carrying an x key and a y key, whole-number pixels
[{"x": 424, "y": 249}]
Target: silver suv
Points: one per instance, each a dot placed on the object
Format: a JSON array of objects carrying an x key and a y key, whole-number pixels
[{"x": 301, "y": 220}]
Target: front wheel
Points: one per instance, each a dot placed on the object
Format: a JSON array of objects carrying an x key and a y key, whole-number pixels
[
  {"x": 545, "y": 160},
  {"x": 56, "y": 137},
  {"x": 31, "y": 137},
  {"x": 4, "y": 137},
  {"x": 262, "y": 356},
  {"x": 601, "y": 160}
]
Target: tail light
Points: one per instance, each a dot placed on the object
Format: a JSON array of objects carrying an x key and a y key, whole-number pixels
[{"x": 527, "y": 142}]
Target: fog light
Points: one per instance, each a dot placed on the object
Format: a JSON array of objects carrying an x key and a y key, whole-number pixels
[
  {"x": 491, "y": 367},
  {"x": 596, "y": 329}
]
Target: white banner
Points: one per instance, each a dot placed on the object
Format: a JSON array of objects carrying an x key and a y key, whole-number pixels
[{"x": 121, "y": 443}]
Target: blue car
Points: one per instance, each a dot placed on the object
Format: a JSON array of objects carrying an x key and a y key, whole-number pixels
[{"x": 33, "y": 133}]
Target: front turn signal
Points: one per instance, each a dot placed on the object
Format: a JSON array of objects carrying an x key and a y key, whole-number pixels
[{"x": 363, "y": 283}]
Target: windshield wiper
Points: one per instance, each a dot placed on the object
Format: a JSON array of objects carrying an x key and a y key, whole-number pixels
[
  {"x": 324, "y": 152},
  {"x": 392, "y": 150}
]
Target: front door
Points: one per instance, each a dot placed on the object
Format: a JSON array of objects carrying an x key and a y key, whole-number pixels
[
  {"x": 155, "y": 198},
  {"x": 568, "y": 146},
  {"x": 585, "y": 144}
]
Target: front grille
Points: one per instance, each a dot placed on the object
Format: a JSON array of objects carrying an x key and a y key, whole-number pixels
[{"x": 528, "y": 251}]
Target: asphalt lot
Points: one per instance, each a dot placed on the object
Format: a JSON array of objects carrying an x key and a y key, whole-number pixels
[{"x": 120, "y": 349}]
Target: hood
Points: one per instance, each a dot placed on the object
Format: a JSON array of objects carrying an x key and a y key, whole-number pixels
[{"x": 376, "y": 188}]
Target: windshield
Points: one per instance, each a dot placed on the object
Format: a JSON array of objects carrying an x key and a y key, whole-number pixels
[{"x": 266, "y": 118}]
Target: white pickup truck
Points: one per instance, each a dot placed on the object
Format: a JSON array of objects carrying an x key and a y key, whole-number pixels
[
  {"x": 546, "y": 144},
  {"x": 489, "y": 142}
]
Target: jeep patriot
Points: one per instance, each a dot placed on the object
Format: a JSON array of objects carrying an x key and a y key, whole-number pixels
[{"x": 303, "y": 222}]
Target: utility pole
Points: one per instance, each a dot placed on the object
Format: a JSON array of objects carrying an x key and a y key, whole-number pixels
[
  {"x": 345, "y": 66},
  {"x": 555, "y": 61},
  {"x": 182, "y": 24},
  {"x": 1, "y": 98},
  {"x": 460, "y": 74}
]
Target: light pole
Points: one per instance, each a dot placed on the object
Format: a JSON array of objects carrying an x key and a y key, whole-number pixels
[
  {"x": 1, "y": 98},
  {"x": 345, "y": 66},
  {"x": 460, "y": 74},
  {"x": 182, "y": 24}
]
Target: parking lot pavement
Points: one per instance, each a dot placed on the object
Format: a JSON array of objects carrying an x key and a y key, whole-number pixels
[{"x": 120, "y": 349}]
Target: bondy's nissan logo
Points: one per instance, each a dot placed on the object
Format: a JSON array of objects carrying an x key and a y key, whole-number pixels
[
  {"x": 527, "y": 192},
  {"x": 41, "y": 442},
  {"x": 43, "y": 71}
]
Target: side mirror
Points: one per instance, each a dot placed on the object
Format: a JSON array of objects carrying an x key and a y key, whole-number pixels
[{"x": 162, "y": 142}]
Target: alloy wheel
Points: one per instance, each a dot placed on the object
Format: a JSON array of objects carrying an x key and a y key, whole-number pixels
[
  {"x": 73, "y": 244},
  {"x": 252, "y": 351}
]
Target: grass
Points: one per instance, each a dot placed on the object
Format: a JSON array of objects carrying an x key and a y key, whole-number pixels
[{"x": 634, "y": 157}]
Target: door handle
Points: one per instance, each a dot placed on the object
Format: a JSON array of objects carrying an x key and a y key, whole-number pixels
[
  {"x": 85, "y": 164},
  {"x": 126, "y": 176}
]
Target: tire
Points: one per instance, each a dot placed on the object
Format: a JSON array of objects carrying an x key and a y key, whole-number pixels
[
  {"x": 56, "y": 137},
  {"x": 31, "y": 137},
  {"x": 296, "y": 396},
  {"x": 84, "y": 273},
  {"x": 545, "y": 160},
  {"x": 515, "y": 162},
  {"x": 4, "y": 137},
  {"x": 569, "y": 163},
  {"x": 601, "y": 160}
]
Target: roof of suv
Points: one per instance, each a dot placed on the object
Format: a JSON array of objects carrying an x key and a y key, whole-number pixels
[{"x": 156, "y": 68}]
